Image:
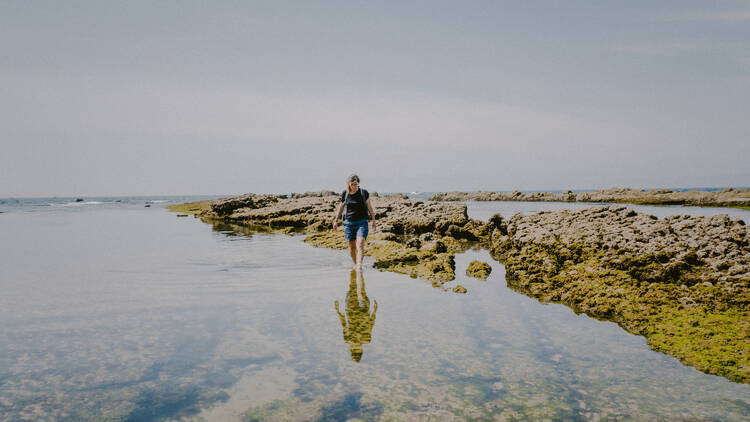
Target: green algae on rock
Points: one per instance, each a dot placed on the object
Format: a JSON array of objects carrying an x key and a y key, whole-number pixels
[
  {"x": 195, "y": 208},
  {"x": 478, "y": 269},
  {"x": 682, "y": 282}
]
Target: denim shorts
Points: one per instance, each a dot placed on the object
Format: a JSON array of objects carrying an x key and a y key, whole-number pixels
[{"x": 355, "y": 229}]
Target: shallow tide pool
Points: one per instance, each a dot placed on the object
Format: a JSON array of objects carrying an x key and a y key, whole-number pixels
[{"x": 133, "y": 314}]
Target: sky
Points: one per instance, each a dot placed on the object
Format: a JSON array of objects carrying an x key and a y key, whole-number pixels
[{"x": 101, "y": 98}]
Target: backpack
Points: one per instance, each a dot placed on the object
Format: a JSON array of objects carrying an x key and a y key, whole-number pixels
[{"x": 362, "y": 195}]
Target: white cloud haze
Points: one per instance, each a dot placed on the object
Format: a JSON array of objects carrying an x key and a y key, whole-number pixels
[{"x": 184, "y": 98}]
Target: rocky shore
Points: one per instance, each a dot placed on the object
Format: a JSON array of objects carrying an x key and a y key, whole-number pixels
[
  {"x": 725, "y": 198},
  {"x": 682, "y": 282},
  {"x": 418, "y": 238}
]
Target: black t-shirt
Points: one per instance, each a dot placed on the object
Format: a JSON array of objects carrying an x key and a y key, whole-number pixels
[{"x": 355, "y": 207}]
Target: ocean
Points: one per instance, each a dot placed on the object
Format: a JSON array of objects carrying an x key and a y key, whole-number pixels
[{"x": 112, "y": 310}]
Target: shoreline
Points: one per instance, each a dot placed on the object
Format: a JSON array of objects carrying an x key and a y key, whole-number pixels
[
  {"x": 728, "y": 197},
  {"x": 682, "y": 282}
]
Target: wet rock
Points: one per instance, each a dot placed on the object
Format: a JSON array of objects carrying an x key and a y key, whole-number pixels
[
  {"x": 426, "y": 237},
  {"x": 79, "y": 199},
  {"x": 182, "y": 215},
  {"x": 478, "y": 269},
  {"x": 458, "y": 232},
  {"x": 436, "y": 246},
  {"x": 459, "y": 289},
  {"x": 497, "y": 222},
  {"x": 649, "y": 275}
]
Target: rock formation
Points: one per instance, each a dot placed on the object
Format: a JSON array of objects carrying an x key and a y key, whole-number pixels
[
  {"x": 683, "y": 282},
  {"x": 725, "y": 198},
  {"x": 478, "y": 269},
  {"x": 418, "y": 238}
]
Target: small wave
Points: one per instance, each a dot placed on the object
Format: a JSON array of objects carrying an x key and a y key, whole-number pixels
[{"x": 75, "y": 204}]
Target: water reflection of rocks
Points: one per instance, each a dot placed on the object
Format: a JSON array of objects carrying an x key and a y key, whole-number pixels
[{"x": 358, "y": 322}]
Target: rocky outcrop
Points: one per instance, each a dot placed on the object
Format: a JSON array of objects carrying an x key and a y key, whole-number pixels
[
  {"x": 478, "y": 269},
  {"x": 725, "y": 198},
  {"x": 227, "y": 206},
  {"x": 418, "y": 238},
  {"x": 394, "y": 214},
  {"x": 683, "y": 282}
]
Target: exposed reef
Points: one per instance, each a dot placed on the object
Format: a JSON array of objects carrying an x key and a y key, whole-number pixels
[
  {"x": 417, "y": 238},
  {"x": 682, "y": 282},
  {"x": 728, "y": 197}
]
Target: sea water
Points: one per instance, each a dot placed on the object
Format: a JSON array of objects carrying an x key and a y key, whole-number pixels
[{"x": 117, "y": 311}]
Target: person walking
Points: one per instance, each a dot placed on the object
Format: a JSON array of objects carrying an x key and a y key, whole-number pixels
[{"x": 356, "y": 202}]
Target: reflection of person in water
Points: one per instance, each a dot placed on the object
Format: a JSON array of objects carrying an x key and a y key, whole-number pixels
[{"x": 358, "y": 322}]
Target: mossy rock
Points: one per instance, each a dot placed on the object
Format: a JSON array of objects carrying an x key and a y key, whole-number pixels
[
  {"x": 459, "y": 289},
  {"x": 332, "y": 239},
  {"x": 478, "y": 269},
  {"x": 197, "y": 207},
  {"x": 703, "y": 325}
]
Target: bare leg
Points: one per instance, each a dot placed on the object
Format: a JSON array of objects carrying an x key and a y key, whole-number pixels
[
  {"x": 360, "y": 251},
  {"x": 353, "y": 251},
  {"x": 360, "y": 286}
]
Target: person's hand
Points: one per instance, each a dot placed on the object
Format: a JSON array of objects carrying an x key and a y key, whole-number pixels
[
  {"x": 335, "y": 224},
  {"x": 374, "y": 226}
]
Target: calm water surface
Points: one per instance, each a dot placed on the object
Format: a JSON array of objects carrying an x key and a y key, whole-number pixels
[{"x": 122, "y": 312}]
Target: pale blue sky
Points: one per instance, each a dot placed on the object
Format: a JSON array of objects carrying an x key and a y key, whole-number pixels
[{"x": 118, "y": 98}]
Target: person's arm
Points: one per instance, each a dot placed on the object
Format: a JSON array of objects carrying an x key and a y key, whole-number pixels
[
  {"x": 338, "y": 215},
  {"x": 372, "y": 213},
  {"x": 342, "y": 318}
]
